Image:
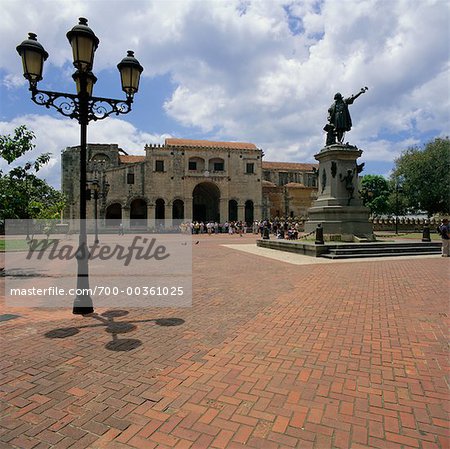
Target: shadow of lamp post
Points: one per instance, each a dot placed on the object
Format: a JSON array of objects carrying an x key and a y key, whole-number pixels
[{"x": 85, "y": 108}]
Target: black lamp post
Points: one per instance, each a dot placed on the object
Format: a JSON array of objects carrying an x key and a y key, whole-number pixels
[
  {"x": 286, "y": 202},
  {"x": 84, "y": 108},
  {"x": 95, "y": 189},
  {"x": 27, "y": 211},
  {"x": 366, "y": 194},
  {"x": 398, "y": 189}
]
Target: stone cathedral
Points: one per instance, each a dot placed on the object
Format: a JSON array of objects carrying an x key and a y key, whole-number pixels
[{"x": 187, "y": 180}]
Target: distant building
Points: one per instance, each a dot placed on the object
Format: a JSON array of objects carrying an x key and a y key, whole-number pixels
[
  {"x": 288, "y": 189},
  {"x": 188, "y": 179}
]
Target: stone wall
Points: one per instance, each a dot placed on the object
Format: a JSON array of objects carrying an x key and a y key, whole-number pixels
[
  {"x": 405, "y": 224},
  {"x": 291, "y": 200},
  {"x": 165, "y": 174}
]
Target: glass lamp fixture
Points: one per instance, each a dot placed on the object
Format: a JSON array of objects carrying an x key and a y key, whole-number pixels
[
  {"x": 33, "y": 56},
  {"x": 90, "y": 78},
  {"x": 130, "y": 73},
  {"x": 84, "y": 43}
]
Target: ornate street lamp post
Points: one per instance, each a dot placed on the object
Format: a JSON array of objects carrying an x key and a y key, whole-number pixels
[
  {"x": 95, "y": 190},
  {"x": 398, "y": 189},
  {"x": 83, "y": 107}
]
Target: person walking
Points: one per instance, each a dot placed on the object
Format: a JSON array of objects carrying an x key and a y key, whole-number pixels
[{"x": 444, "y": 230}]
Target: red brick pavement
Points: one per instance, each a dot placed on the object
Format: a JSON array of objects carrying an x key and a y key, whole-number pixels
[{"x": 271, "y": 355}]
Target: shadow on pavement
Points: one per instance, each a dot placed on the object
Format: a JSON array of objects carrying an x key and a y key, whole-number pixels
[{"x": 114, "y": 328}]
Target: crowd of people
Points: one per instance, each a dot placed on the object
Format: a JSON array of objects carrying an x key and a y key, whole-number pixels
[{"x": 282, "y": 229}]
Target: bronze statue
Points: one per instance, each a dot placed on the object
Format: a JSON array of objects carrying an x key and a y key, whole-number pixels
[
  {"x": 339, "y": 117},
  {"x": 348, "y": 180}
]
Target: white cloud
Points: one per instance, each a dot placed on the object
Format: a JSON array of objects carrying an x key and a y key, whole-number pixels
[
  {"x": 12, "y": 81},
  {"x": 265, "y": 71},
  {"x": 54, "y": 135}
]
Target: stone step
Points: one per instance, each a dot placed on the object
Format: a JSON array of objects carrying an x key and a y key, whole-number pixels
[
  {"x": 348, "y": 251},
  {"x": 380, "y": 245},
  {"x": 335, "y": 250},
  {"x": 333, "y": 255},
  {"x": 393, "y": 249}
]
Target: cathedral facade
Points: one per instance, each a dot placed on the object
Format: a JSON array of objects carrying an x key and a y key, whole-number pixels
[{"x": 186, "y": 180}]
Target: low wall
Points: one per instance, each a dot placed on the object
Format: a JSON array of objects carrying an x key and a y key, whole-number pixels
[
  {"x": 308, "y": 249},
  {"x": 405, "y": 224}
]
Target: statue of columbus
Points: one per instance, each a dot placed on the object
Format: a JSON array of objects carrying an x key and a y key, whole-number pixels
[{"x": 339, "y": 120}]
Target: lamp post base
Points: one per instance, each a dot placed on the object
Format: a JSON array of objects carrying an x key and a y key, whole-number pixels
[
  {"x": 83, "y": 310},
  {"x": 82, "y": 305}
]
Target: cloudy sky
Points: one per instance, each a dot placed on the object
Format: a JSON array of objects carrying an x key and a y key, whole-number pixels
[{"x": 259, "y": 71}]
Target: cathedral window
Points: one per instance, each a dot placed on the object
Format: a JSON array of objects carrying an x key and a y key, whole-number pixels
[{"x": 283, "y": 178}]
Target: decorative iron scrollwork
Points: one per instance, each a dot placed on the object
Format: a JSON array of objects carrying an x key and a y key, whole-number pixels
[
  {"x": 65, "y": 104},
  {"x": 69, "y": 105},
  {"x": 100, "y": 108}
]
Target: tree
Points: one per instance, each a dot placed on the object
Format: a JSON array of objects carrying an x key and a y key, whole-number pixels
[
  {"x": 375, "y": 194},
  {"x": 425, "y": 176},
  {"x": 22, "y": 194},
  {"x": 398, "y": 203},
  {"x": 11, "y": 148}
]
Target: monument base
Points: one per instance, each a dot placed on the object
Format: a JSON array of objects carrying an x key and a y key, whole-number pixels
[
  {"x": 338, "y": 208},
  {"x": 341, "y": 223}
]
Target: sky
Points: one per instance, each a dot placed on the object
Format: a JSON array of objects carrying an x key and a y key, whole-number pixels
[{"x": 261, "y": 71}]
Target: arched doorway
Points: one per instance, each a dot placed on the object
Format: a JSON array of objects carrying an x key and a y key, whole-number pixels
[
  {"x": 138, "y": 213},
  {"x": 205, "y": 202},
  {"x": 249, "y": 212},
  {"x": 232, "y": 210},
  {"x": 113, "y": 214},
  {"x": 160, "y": 211},
  {"x": 177, "y": 210}
]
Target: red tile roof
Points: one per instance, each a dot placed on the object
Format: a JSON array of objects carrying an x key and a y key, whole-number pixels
[
  {"x": 130, "y": 159},
  {"x": 210, "y": 144},
  {"x": 266, "y": 165},
  {"x": 295, "y": 185}
]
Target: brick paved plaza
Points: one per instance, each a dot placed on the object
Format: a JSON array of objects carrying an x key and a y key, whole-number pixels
[{"x": 271, "y": 355}]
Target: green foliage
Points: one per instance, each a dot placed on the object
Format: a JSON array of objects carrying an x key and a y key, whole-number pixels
[
  {"x": 11, "y": 148},
  {"x": 22, "y": 194},
  {"x": 424, "y": 176},
  {"x": 398, "y": 202},
  {"x": 375, "y": 194}
]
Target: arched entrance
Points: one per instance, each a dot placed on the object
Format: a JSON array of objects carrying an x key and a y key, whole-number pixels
[
  {"x": 232, "y": 210},
  {"x": 249, "y": 212},
  {"x": 160, "y": 214},
  {"x": 138, "y": 213},
  {"x": 113, "y": 214},
  {"x": 177, "y": 210},
  {"x": 205, "y": 202}
]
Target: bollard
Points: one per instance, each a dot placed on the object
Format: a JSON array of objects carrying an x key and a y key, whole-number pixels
[
  {"x": 319, "y": 235},
  {"x": 426, "y": 234}
]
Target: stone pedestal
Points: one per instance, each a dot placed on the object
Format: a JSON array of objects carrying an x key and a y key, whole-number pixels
[{"x": 338, "y": 207}]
